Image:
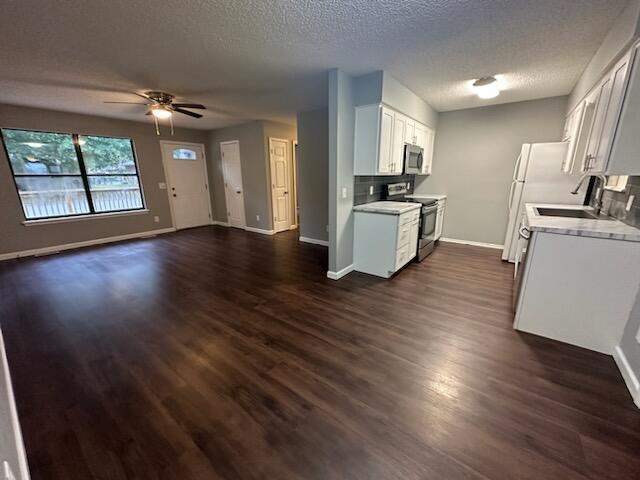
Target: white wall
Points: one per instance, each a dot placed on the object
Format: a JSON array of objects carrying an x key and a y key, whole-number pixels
[
  {"x": 629, "y": 351},
  {"x": 11, "y": 446},
  {"x": 625, "y": 29},
  {"x": 313, "y": 173},
  {"x": 475, "y": 152}
]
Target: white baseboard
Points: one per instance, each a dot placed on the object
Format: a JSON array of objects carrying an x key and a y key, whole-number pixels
[
  {"x": 86, "y": 243},
  {"x": 471, "y": 242},
  {"x": 628, "y": 374},
  {"x": 260, "y": 230},
  {"x": 22, "y": 469},
  {"x": 339, "y": 274},
  {"x": 315, "y": 241},
  {"x": 218, "y": 222},
  {"x": 293, "y": 227}
]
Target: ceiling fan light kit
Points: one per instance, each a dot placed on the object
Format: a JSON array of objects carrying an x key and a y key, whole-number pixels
[{"x": 161, "y": 107}]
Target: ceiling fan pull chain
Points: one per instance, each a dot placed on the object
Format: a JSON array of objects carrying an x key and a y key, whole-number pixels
[
  {"x": 155, "y": 120},
  {"x": 171, "y": 123}
]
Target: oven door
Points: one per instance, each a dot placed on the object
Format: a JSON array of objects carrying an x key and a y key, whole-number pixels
[
  {"x": 428, "y": 225},
  {"x": 413, "y": 159}
]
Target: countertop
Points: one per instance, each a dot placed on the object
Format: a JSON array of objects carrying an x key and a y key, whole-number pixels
[
  {"x": 421, "y": 196},
  {"x": 388, "y": 208},
  {"x": 581, "y": 227}
]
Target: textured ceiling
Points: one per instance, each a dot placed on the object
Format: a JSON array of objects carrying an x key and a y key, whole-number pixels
[{"x": 249, "y": 59}]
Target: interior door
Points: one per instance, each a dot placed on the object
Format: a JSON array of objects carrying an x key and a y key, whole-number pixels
[
  {"x": 280, "y": 183},
  {"x": 188, "y": 184},
  {"x": 233, "y": 190}
]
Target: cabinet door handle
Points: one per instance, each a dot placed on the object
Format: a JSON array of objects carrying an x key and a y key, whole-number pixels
[{"x": 590, "y": 158}]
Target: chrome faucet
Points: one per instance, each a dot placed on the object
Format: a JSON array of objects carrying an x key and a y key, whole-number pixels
[{"x": 598, "y": 200}]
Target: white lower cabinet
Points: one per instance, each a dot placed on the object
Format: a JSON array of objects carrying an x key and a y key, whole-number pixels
[
  {"x": 440, "y": 218},
  {"x": 384, "y": 242}
]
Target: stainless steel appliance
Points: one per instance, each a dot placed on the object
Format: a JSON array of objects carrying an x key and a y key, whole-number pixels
[
  {"x": 428, "y": 214},
  {"x": 413, "y": 158}
]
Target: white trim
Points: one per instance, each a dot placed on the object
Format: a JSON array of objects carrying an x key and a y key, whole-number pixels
[
  {"x": 218, "y": 222},
  {"x": 93, "y": 216},
  {"x": 339, "y": 274},
  {"x": 168, "y": 179},
  {"x": 628, "y": 374},
  {"x": 293, "y": 227},
  {"x": 260, "y": 230},
  {"x": 315, "y": 241},
  {"x": 294, "y": 165},
  {"x": 471, "y": 242},
  {"x": 86, "y": 243},
  {"x": 13, "y": 413}
]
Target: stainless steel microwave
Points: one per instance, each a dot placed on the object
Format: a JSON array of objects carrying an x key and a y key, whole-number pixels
[{"x": 413, "y": 159}]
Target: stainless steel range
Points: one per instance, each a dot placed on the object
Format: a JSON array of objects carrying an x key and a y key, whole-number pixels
[{"x": 426, "y": 235}]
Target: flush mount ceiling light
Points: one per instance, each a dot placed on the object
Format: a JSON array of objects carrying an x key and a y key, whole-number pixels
[{"x": 486, "y": 87}]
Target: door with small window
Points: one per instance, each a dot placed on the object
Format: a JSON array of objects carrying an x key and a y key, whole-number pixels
[{"x": 187, "y": 184}]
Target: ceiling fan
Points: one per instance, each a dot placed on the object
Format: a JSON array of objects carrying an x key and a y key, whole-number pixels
[{"x": 162, "y": 106}]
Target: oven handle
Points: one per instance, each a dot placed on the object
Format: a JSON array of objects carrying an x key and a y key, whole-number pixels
[{"x": 523, "y": 229}]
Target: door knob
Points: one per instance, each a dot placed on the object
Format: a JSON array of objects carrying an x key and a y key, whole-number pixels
[
  {"x": 238, "y": 191},
  {"x": 175, "y": 195},
  {"x": 286, "y": 193}
]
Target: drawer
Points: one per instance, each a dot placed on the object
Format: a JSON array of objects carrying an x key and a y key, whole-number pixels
[
  {"x": 410, "y": 217},
  {"x": 404, "y": 232},
  {"x": 402, "y": 256}
]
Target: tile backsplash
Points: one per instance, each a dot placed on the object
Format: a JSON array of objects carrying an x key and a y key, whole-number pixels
[
  {"x": 361, "y": 187},
  {"x": 614, "y": 203}
]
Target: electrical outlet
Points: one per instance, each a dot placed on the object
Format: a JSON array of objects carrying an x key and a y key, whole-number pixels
[
  {"x": 408, "y": 185},
  {"x": 156, "y": 219},
  {"x": 6, "y": 470},
  {"x": 370, "y": 189},
  {"x": 257, "y": 218},
  {"x": 630, "y": 202},
  {"x": 344, "y": 192},
  {"x": 162, "y": 186}
]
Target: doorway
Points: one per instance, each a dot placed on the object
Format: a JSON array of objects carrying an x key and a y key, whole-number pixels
[
  {"x": 233, "y": 191},
  {"x": 187, "y": 184},
  {"x": 280, "y": 154}
]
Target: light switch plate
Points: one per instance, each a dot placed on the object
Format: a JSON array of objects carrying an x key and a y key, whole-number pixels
[
  {"x": 6, "y": 470},
  {"x": 162, "y": 186},
  {"x": 370, "y": 189},
  {"x": 156, "y": 219},
  {"x": 344, "y": 192},
  {"x": 630, "y": 202}
]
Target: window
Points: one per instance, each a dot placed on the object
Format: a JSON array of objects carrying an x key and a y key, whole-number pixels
[
  {"x": 184, "y": 154},
  {"x": 617, "y": 183},
  {"x": 64, "y": 175}
]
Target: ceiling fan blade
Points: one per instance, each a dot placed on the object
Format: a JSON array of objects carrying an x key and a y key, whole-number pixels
[
  {"x": 145, "y": 97},
  {"x": 189, "y": 105},
  {"x": 131, "y": 103},
  {"x": 187, "y": 112}
]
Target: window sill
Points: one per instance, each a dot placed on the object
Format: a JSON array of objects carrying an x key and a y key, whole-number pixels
[{"x": 95, "y": 216}]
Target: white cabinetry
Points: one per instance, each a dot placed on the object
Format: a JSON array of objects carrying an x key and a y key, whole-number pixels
[
  {"x": 383, "y": 242},
  {"x": 440, "y": 218},
  {"x": 380, "y": 136},
  {"x": 607, "y": 122}
]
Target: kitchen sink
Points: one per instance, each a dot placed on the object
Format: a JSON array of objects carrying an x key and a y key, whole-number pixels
[{"x": 568, "y": 213}]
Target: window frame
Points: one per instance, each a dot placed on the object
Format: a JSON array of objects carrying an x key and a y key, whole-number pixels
[{"x": 84, "y": 176}]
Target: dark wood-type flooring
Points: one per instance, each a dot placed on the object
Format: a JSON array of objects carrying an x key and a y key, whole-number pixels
[{"x": 220, "y": 354}]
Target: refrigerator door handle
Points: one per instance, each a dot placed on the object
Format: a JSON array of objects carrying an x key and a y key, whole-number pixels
[
  {"x": 517, "y": 167},
  {"x": 513, "y": 184}
]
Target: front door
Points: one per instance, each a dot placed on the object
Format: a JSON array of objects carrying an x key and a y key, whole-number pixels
[
  {"x": 187, "y": 183},
  {"x": 280, "y": 183},
  {"x": 233, "y": 191}
]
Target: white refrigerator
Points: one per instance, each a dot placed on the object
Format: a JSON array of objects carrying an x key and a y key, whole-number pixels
[{"x": 538, "y": 178}]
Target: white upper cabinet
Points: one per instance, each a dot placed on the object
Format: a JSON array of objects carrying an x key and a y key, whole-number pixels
[
  {"x": 380, "y": 137},
  {"x": 602, "y": 131}
]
